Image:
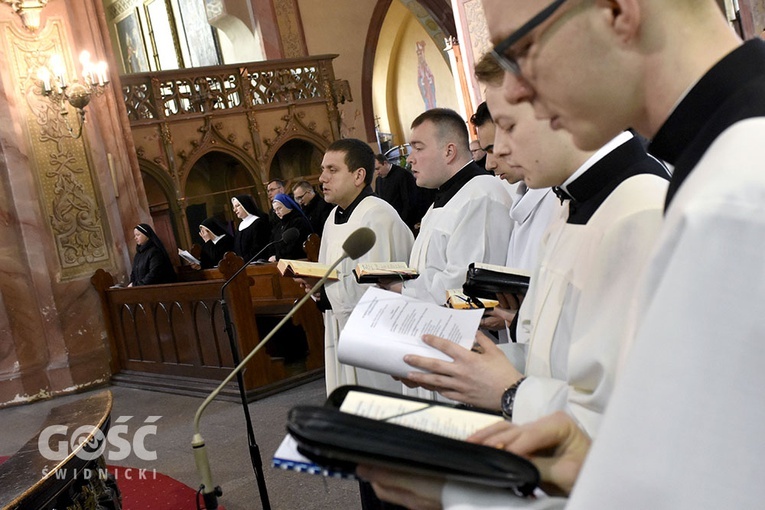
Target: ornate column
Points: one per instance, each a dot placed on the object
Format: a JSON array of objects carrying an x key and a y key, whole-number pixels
[{"x": 61, "y": 207}]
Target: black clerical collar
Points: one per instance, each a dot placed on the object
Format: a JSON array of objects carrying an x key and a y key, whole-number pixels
[
  {"x": 726, "y": 94},
  {"x": 588, "y": 191},
  {"x": 455, "y": 183},
  {"x": 343, "y": 215}
]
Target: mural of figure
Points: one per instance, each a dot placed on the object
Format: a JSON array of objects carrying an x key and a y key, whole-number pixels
[{"x": 425, "y": 80}]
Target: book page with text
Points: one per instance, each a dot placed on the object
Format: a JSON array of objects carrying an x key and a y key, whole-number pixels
[
  {"x": 385, "y": 326},
  {"x": 191, "y": 259},
  {"x": 436, "y": 419}
]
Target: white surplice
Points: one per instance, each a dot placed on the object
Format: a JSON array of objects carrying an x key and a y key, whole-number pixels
[
  {"x": 393, "y": 244},
  {"x": 471, "y": 227},
  {"x": 683, "y": 430},
  {"x": 580, "y": 293}
]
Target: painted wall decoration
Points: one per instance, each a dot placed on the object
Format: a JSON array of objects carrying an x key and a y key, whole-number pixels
[{"x": 425, "y": 80}]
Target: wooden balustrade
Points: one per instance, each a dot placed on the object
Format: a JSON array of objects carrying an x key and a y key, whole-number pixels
[
  {"x": 172, "y": 337},
  {"x": 188, "y": 93}
]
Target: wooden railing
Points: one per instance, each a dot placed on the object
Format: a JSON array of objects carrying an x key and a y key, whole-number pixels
[
  {"x": 172, "y": 337},
  {"x": 179, "y": 94}
]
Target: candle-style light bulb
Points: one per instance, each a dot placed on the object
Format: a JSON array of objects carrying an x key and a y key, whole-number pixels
[
  {"x": 57, "y": 65},
  {"x": 87, "y": 67},
  {"x": 103, "y": 76},
  {"x": 44, "y": 76}
]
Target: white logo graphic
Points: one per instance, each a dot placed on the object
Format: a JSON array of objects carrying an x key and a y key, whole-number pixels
[{"x": 116, "y": 445}]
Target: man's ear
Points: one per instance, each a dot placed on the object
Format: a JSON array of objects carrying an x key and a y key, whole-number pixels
[
  {"x": 624, "y": 17},
  {"x": 450, "y": 152},
  {"x": 360, "y": 176}
]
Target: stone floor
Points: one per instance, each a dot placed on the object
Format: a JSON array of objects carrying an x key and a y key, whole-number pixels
[{"x": 224, "y": 431}]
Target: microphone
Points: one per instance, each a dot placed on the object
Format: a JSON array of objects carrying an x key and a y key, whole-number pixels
[
  {"x": 356, "y": 245},
  {"x": 210, "y": 492}
]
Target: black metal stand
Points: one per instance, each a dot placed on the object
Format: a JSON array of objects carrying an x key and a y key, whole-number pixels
[{"x": 254, "y": 449}]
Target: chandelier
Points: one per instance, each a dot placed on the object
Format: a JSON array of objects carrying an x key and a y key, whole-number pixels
[{"x": 63, "y": 92}]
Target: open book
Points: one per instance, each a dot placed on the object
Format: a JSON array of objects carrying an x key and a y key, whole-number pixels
[
  {"x": 385, "y": 326},
  {"x": 447, "y": 421},
  {"x": 372, "y": 272},
  {"x": 360, "y": 425},
  {"x": 191, "y": 259},
  {"x": 486, "y": 280},
  {"x": 461, "y": 301},
  {"x": 289, "y": 267}
]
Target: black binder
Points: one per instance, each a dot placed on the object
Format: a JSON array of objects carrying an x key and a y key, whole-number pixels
[
  {"x": 340, "y": 441},
  {"x": 485, "y": 283}
]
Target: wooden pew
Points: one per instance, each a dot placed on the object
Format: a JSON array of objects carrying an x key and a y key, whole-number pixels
[
  {"x": 172, "y": 338},
  {"x": 30, "y": 480}
]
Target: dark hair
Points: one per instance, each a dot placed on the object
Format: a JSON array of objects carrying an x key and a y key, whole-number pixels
[
  {"x": 381, "y": 158},
  {"x": 488, "y": 71},
  {"x": 481, "y": 115},
  {"x": 303, "y": 185},
  {"x": 277, "y": 181},
  {"x": 450, "y": 126},
  {"x": 358, "y": 154}
]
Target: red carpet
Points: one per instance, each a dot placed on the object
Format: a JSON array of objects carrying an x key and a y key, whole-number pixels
[{"x": 144, "y": 489}]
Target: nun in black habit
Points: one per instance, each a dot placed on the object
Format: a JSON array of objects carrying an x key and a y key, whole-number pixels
[
  {"x": 151, "y": 264},
  {"x": 254, "y": 231},
  {"x": 217, "y": 242}
]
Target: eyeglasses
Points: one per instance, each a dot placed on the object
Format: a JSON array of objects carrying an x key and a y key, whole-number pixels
[
  {"x": 299, "y": 198},
  {"x": 501, "y": 51}
]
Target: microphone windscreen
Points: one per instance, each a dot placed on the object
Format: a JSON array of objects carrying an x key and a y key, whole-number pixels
[
  {"x": 359, "y": 242},
  {"x": 290, "y": 235}
]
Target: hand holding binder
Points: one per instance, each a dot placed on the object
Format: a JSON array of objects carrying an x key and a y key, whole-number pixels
[{"x": 338, "y": 439}]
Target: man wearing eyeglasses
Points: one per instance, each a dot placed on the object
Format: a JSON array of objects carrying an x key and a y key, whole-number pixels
[
  {"x": 683, "y": 428},
  {"x": 314, "y": 206},
  {"x": 273, "y": 188}
]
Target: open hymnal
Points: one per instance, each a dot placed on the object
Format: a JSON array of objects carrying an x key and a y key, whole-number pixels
[
  {"x": 191, "y": 259},
  {"x": 372, "y": 272},
  {"x": 385, "y": 326},
  {"x": 298, "y": 268},
  {"x": 461, "y": 301}
]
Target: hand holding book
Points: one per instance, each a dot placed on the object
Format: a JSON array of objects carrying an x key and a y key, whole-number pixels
[
  {"x": 367, "y": 426},
  {"x": 385, "y": 326},
  {"x": 488, "y": 280},
  {"x": 296, "y": 268}
]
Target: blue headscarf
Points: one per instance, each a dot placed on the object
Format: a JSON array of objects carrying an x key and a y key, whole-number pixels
[{"x": 288, "y": 202}]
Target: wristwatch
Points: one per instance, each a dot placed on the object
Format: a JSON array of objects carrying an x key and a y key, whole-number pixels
[{"x": 508, "y": 399}]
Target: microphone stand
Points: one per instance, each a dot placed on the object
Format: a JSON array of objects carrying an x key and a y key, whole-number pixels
[
  {"x": 209, "y": 493},
  {"x": 254, "y": 449}
]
